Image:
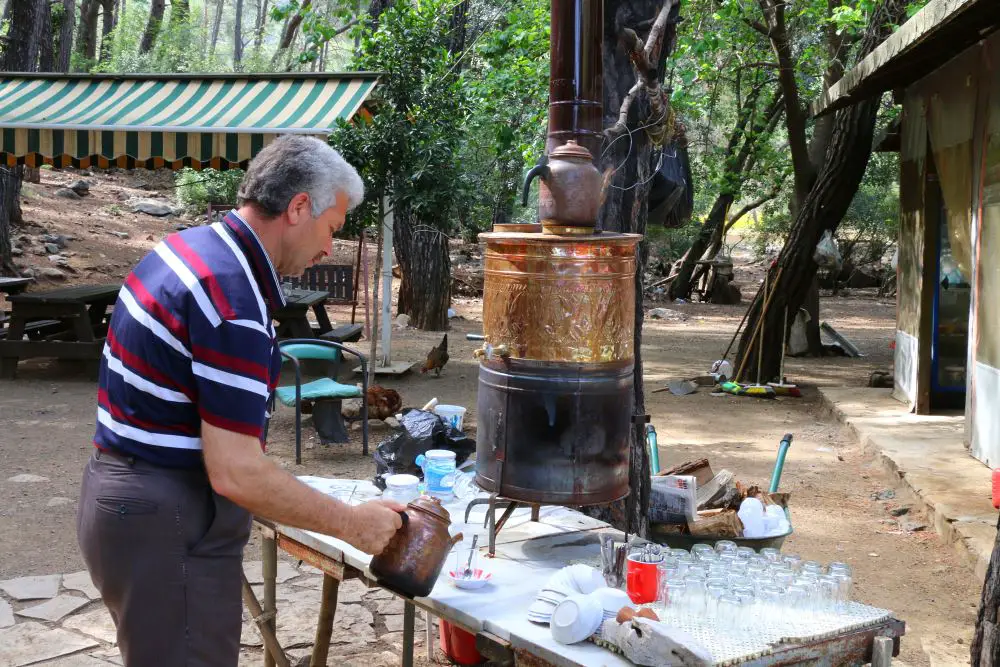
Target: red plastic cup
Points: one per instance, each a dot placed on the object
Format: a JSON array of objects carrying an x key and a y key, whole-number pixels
[
  {"x": 996, "y": 488},
  {"x": 642, "y": 580}
]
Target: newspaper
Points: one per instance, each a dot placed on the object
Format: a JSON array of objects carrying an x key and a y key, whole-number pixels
[{"x": 673, "y": 499}]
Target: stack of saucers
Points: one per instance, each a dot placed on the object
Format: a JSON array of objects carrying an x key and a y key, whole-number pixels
[{"x": 569, "y": 581}]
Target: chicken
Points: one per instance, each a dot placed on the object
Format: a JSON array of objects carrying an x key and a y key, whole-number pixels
[
  {"x": 437, "y": 358},
  {"x": 382, "y": 402}
]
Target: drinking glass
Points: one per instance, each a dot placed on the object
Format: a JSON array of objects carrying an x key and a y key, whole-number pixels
[
  {"x": 695, "y": 594},
  {"x": 783, "y": 578},
  {"x": 714, "y": 589},
  {"x": 729, "y": 612},
  {"x": 698, "y": 570},
  {"x": 792, "y": 560},
  {"x": 680, "y": 554},
  {"x": 725, "y": 546},
  {"x": 829, "y": 592},
  {"x": 746, "y": 553},
  {"x": 739, "y": 566},
  {"x": 797, "y": 599},
  {"x": 671, "y": 597},
  {"x": 769, "y": 603},
  {"x": 770, "y": 554},
  {"x": 813, "y": 567},
  {"x": 834, "y": 568},
  {"x": 844, "y": 583},
  {"x": 698, "y": 550}
]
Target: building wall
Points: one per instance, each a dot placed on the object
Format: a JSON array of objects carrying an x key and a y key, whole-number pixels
[{"x": 983, "y": 411}]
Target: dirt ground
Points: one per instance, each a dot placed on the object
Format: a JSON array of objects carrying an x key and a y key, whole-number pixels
[{"x": 47, "y": 421}]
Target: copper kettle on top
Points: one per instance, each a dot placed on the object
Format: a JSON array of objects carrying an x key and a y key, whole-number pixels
[
  {"x": 413, "y": 559},
  {"x": 570, "y": 191}
]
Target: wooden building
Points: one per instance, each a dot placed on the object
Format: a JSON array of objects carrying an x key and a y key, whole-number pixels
[{"x": 943, "y": 67}]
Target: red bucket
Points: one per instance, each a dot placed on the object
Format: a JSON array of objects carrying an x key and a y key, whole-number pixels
[{"x": 458, "y": 645}]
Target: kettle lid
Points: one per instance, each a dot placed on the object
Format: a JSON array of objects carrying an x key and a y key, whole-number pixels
[
  {"x": 571, "y": 150},
  {"x": 432, "y": 506}
]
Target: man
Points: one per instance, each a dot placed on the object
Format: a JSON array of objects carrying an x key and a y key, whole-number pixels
[{"x": 188, "y": 369}]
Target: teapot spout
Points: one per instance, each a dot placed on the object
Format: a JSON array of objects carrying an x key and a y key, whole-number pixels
[{"x": 455, "y": 540}]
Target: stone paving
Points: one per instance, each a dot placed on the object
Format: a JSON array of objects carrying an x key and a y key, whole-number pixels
[{"x": 59, "y": 621}]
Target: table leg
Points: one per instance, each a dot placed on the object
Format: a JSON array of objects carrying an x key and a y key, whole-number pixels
[
  {"x": 269, "y": 566},
  {"x": 322, "y": 319},
  {"x": 15, "y": 332},
  {"x": 882, "y": 652},
  {"x": 272, "y": 649},
  {"x": 429, "y": 635},
  {"x": 409, "y": 612},
  {"x": 324, "y": 629}
]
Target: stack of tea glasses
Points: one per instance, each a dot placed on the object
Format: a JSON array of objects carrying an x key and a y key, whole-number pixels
[{"x": 745, "y": 591}]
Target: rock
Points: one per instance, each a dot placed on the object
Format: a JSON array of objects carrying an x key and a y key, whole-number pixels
[
  {"x": 885, "y": 494},
  {"x": 666, "y": 314},
  {"x": 914, "y": 526},
  {"x": 32, "y": 588},
  {"x": 900, "y": 511},
  {"x": 6, "y": 614},
  {"x": 152, "y": 207},
  {"x": 29, "y": 272},
  {"x": 52, "y": 273},
  {"x": 181, "y": 228},
  {"x": 254, "y": 571},
  {"x": 59, "y": 260},
  {"x": 394, "y": 623},
  {"x": 80, "y": 581},
  {"x": 66, "y": 193},
  {"x": 96, "y": 623},
  {"x": 58, "y": 501},
  {"x": 393, "y": 423},
  {"x": 351, "y": 409},
  {"x": 40, "y": 251},
  {"x": 80, "y": 187},
  {"x": 57, "y": 239},
  {"x": 51, "y": 248},
  {"x": 29, "y": 643},
  {"x": 402, "y": 321},
  {"x": 27, "y": 478},
  {"x": 121, "y": 235},
  {"x": 55, "y": 609},
  {"x": 16, "y": 251}
]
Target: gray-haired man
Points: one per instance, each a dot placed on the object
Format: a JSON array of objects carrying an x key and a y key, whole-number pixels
[{"x": 188, "y": 369}]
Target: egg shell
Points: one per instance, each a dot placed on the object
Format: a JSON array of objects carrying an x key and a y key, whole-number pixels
[
  {"x": 648, "y": 613},
  {"x": 625, "y": 614}
]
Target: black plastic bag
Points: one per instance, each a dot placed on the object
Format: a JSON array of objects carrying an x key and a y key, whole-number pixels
[{"x": 421, "y": 431}]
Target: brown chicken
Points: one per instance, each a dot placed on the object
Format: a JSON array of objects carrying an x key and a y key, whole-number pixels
[
  {"x": 383, "y": 402},
  {"x": 437, "y": 358}
]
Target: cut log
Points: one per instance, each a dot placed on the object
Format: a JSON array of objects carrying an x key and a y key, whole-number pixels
[
  {"x": 701, "y": 470},
  {"x": 721, "y": 524},
  {"x": 714, "y": 491}
]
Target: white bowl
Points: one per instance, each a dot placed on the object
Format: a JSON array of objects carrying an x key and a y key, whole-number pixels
[
  {"x": 612, "y": 600},
  {"x": 478, "y": 579},
  {"x": 576, "y": 618}
]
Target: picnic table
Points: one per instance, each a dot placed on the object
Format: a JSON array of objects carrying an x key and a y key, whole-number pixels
[
  {"x": 293, "y": 320},
  {"x": 68, "y": 323},
  {"x": 11, "y": 286},
  {"x": 528, "y": 553}
]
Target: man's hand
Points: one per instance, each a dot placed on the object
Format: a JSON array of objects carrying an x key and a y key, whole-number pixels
[{"x": 373, "y": 524}]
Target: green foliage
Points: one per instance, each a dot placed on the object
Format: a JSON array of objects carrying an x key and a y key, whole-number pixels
[
  {"x": 408, "y": 148},
  {"x": 197, "y": 189},
  {"x": 178, "y": 46}
]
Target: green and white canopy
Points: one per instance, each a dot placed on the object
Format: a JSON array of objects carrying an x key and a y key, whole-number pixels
[{"x": 154, "y": 121}]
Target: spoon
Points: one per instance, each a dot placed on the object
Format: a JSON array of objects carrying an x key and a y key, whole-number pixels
[{"x": 467, "y": 572}]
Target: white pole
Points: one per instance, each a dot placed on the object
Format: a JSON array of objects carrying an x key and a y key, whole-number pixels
[{"x": 387, "y": 223}]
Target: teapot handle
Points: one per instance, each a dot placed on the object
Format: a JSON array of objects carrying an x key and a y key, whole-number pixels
[
  {"x": 405, "y": 518},
  {"x": 539, "y": 170}
]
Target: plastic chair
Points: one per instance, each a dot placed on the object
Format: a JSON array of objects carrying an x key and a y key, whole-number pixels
[{"x": 324, "y": 389}]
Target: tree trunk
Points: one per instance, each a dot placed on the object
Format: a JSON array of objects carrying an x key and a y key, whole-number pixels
[
  {"x": 10, "y": 214},
  {"x": 424, "y": 263},
  {"x": 260, "y": 24},
  {"x": 459, "y": 20},
  {"x": 238, "y": 35},
  {"x": 823, "y": 209},
  {"x": 27, "y": 18},
  {"x": 985, "y": 648},
  {"x": 290, "y": 32},
  {"x": 86, "y": 34},
  {"x": 216, "y": 26},
  {"x": 681, "y": 286},
  {"x": 156, "y": 9},
  {"x": 107, "y": 25},
  {"x": 375, "y": 9},
  {"x": 46, "y": 53},
  {"x": 66, "y": 34},
  {"x": 625, "y": 209}
]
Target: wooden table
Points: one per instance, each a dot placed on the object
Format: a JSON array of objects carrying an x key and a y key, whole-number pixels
[
  {"x": 65, "y": 323},
  {"x": 293, "y": 321},
  {"x": 528, "y": 553},
  {"x": 11, "y": 286}
]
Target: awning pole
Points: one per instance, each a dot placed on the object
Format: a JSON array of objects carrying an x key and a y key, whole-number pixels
[{"x": 387, "y": 224}]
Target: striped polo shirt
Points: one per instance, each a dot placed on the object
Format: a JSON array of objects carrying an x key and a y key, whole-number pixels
[{"x": 191, "y": 339}]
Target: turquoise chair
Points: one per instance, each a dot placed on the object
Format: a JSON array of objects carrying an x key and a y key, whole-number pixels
[{"x": 323, "y": 389}]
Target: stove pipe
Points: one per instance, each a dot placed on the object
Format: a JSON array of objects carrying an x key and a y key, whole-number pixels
[{"x": 576, "y": 79}]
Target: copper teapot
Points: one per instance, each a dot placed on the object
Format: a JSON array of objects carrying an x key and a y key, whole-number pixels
[
  {"x": 570, "y": 191},
  {"x": 412, "y": 561}
]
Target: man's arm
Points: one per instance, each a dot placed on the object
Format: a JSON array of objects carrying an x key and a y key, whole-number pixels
[{"x": 239, "y": 470}]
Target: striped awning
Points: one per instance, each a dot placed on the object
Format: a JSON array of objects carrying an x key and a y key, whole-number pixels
[{"x": 154, "y": 121}]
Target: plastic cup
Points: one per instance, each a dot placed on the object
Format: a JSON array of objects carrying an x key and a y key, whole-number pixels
[{"x": 453, "y": 415}]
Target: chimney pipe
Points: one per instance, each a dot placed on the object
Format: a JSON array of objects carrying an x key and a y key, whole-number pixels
[{"x": 576, "y": 80}]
